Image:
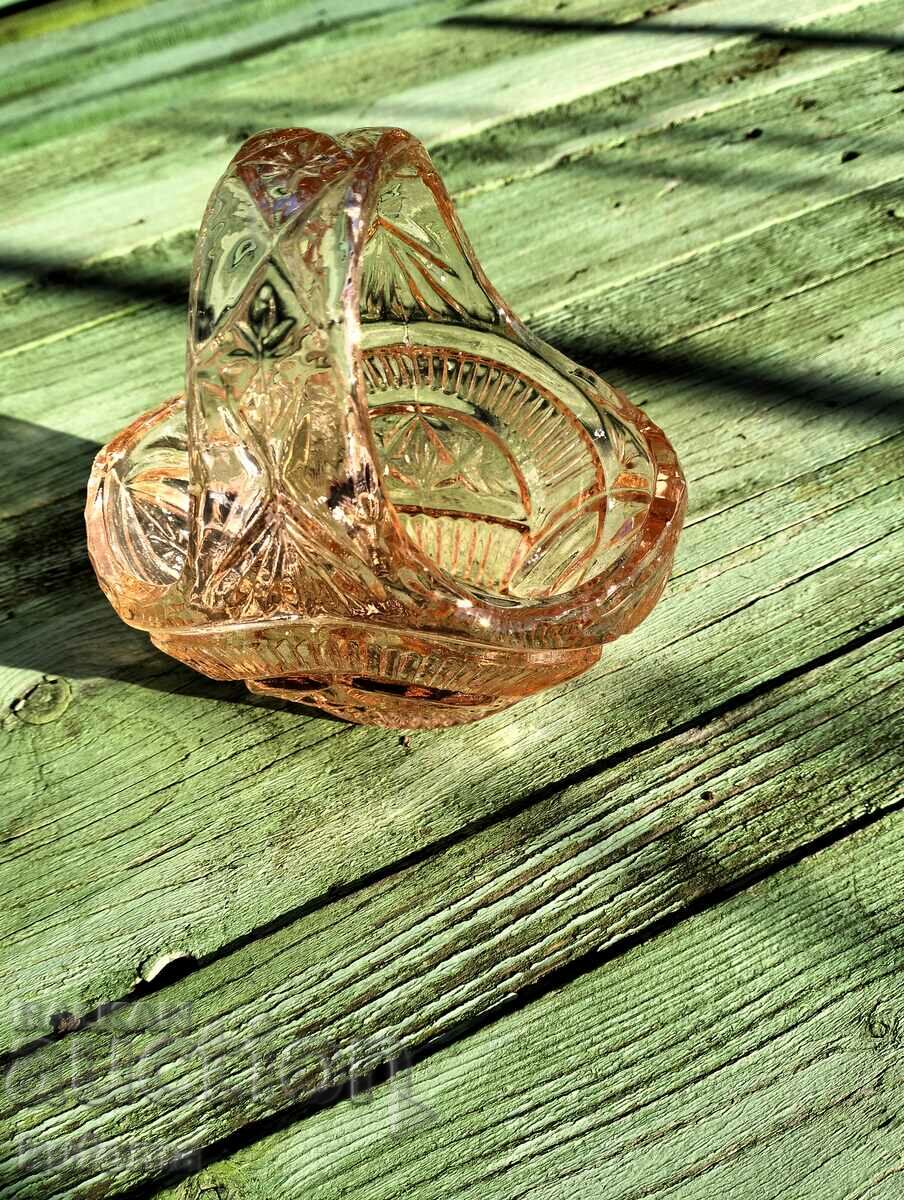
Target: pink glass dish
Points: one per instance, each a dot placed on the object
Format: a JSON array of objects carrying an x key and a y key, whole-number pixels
[{"x": 380, "y": 494}]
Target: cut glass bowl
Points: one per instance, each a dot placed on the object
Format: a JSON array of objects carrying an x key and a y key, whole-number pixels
[{"x": 380, "y": 494}]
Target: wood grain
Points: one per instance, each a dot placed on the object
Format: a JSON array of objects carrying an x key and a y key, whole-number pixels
[
  {"x": 148, "y": 780},
  {"x": 674, "y": 203},
  {"x": 754, "y": 1050},
  {"x": 440, "y": 68},
  {"x": 425, "y": 952}
]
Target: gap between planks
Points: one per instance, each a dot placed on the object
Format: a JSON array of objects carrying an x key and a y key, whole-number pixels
[
  {"x": 753, "y": 1050},
  {"x": 378, "y": 969},
  {"x": 792, "y": 556},
  {"x": 483, "y": 80}
]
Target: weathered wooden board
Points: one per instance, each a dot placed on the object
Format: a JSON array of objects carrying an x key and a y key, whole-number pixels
[
  {"x": 753, "y": 1051},
  {"x": 337, "y": 66},
  {"x": 438, "y": 945},
  {"x": 235, "y": 813},
  {"x": 180, "y": 756},
  {"x": 35, "y": 28},
  {"x": 626, "y": 210},
  {"x": 668, "y": 203},
  {"x": 598, "y": 199},
  {"x": 142, "y": 42},
  {"x": 88, "y": 386},
  {"x": 734, "y": 74},
  {"x": 116, "y": 167}
]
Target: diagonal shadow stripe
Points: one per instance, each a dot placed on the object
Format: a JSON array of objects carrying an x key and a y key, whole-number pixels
[
  {"x": 673, "y": 365},
  {"x": 113, "y": 278},
  {"x": 706, "y": 899},
  {"x": 15, "y": 7},
  {"x": 764, "y": 33}
]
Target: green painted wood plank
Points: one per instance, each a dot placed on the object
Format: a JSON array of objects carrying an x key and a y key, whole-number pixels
[
  {"x": 631, "y": 208},
  {"x": 149, "y": 781},
  {"x": 413, "y": 957},
  {"x": 626, "y": 192},
  {"x": 127, "y": 162},
  {"x": 222, "y": 49},
  {"x": 677, "y": 37},
  {"x": 172, "y": 36},
  {"x": 220, "y": 38},
  {"x": 753, "y": 1051},
  {"x": 688, "y": 219},
  {"x": 735, "y": 74},
  {"x": 21, "y": 20},
  {"x": 703, "y": 289}
]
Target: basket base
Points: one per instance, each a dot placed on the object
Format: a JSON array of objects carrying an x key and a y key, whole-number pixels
[
  {"x": 373, "y": 674},
  {"x": 377, "y": 702}
]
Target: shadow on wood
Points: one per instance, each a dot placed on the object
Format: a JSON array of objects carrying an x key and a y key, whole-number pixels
[
  {"x": 764, "y": 33},
  {"x": 46, "y": 567}
]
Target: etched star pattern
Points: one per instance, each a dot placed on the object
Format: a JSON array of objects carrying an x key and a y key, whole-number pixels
[{"x": 418, "y": 458}]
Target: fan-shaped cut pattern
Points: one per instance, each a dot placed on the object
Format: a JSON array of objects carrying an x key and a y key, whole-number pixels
[{"x": 373, "y": 454}]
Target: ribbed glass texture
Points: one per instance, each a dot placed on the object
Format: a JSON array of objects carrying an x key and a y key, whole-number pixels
[{"x": 379, "y": 493}]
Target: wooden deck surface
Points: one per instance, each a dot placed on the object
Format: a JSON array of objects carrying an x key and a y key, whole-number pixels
[{"x": 639, "y": 938}]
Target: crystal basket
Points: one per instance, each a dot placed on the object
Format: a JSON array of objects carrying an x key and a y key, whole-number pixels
[{"x": 379, "y": 494}]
